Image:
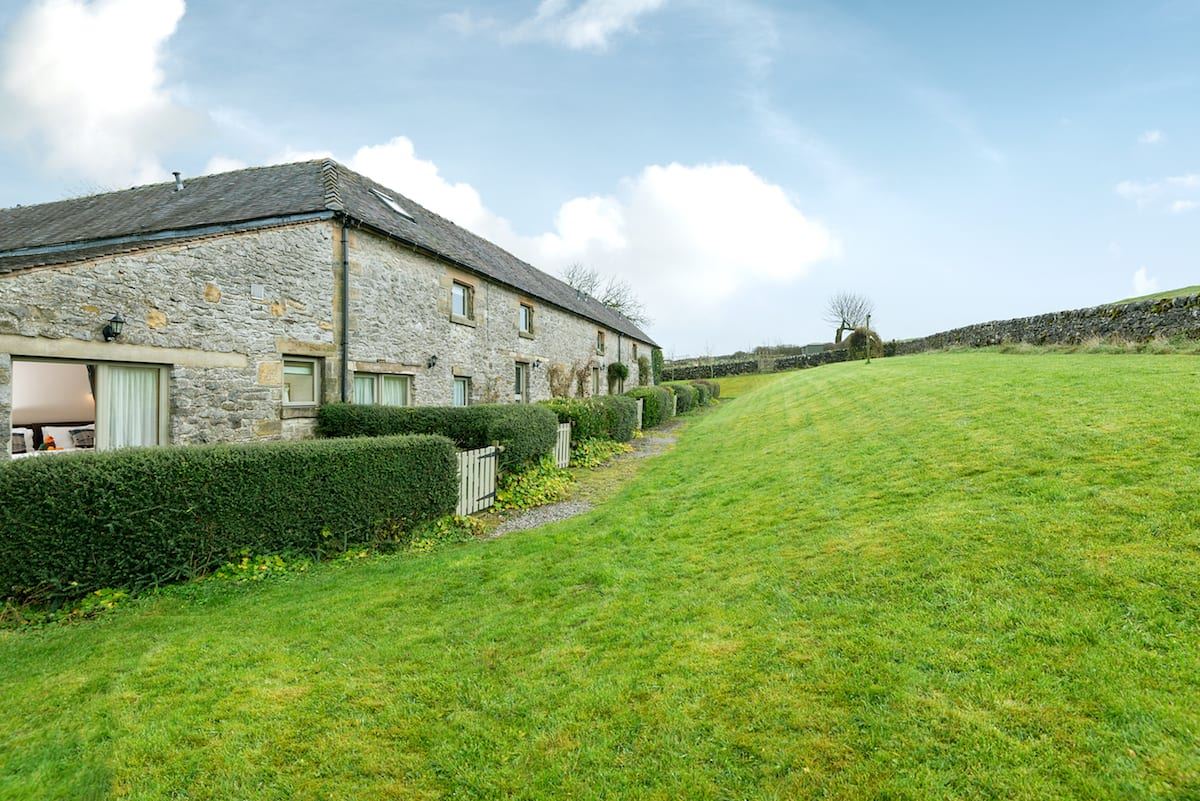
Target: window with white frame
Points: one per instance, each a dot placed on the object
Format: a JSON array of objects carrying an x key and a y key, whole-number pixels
[
  {"x": 600, "y": 342},
  {"x": 381, "y": 389},
  {"x": 462, "y": 391},
  {"x": 462, "y": 301},
  {"x": 301, "y": 381},
  {"x": 525, "y": 319}
]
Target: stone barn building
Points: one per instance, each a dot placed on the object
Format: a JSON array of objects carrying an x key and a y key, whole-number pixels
[{"x": 229, "y": 307}]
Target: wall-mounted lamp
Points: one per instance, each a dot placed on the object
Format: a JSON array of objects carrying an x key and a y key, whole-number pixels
[
  {"x": 432, "y": 362},
  {"x": 537, "y": 364},
  {"x": 116, "y": 324}
]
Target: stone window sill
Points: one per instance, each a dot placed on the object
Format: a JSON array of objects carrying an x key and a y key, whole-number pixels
[
  {"x": 525, "y": 334},
  {"x": 467, "y": 321},
  {"x": 297, "y": 412}
]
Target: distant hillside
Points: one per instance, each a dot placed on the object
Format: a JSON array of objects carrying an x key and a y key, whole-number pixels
[{"x": 1170, "y": 293}]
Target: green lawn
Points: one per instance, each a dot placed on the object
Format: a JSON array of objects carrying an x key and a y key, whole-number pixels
[
  {"x": 1170, "y": 293},
  {"x": 939, "y": 576}
]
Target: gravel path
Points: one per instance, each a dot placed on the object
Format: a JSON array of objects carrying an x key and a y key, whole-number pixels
[
  {"x": 649, "y": 445},
  {"x": 540, "y": 516}
]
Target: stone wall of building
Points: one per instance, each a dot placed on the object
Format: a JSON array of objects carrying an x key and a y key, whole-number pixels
[
  {"x": 400, "y": 316},
  {"x": 798, "y": 362},
  {"x": 223, "y": 312},
  {"x": 1131, "y": 321},
  {"x": 193, "y": 307}
]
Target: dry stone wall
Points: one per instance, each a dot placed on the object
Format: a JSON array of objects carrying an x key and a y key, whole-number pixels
[
  {"x": 692, "y": 372},
  {"x": 1130, "y": 321}
]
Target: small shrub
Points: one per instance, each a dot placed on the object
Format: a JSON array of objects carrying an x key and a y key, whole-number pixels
[
  {"x": 143, "y": 517},
  {"x": 586, "y": 417},
  {"x": 656, "y": 364},
  {"x": 449, "y": 529},
  {"x": 609, "y": 416},
  {"x": 620, "y": 416},
  {"x": 860, "y": 340},
  {"x": 704, "y": 391},
  {"x": 686, "y": 394},
  {"x": 658, "y": 404},
  {"x": 249, "y": 567},
  {"x": 527, "y": 432},
  {"x": 537, "y": 485},
  {"x": 645, "y": 375},
  {"x": 591, "y": 453}
]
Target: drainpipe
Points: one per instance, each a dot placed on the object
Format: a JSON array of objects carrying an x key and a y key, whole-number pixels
[{"x": 345, "y": 325}]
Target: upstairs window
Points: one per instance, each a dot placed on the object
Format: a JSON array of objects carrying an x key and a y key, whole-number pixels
[
  {"x": 600, "y": 342},
  {"x": 525, "y": 319},
  {"x": 462, "y": 301}
]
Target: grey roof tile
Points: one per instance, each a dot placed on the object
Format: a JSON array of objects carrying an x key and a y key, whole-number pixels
[{"x": 261, "y": 194}]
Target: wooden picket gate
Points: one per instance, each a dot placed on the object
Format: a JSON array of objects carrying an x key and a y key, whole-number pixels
[
  {"x": 477, "y": 479},
  {"x": 641, "y": 402},
  {"x": 562, "y": 446}
]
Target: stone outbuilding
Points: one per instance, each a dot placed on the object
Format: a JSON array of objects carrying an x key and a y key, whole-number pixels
[{"x": 229, "y": 307}]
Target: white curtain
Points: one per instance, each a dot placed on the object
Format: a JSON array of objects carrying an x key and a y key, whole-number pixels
[
  {"x": 364, "y": 390},
  {"x": 128, "y": 406},
  {"x": 395, "y": 390}
]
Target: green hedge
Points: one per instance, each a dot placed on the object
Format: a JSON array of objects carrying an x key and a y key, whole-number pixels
[
  {"x": 703, "y": 393},
  {"x": 587, "y": 419},
  {"x": 658, "y": 406},
  {"x": 714, "y": 388},
  {"x": 656, "y": 363},
  {"x": 620, "y": 415},
  {"x": 598, "y": 417},
  {"x": 138, "y": 518},
  {"x": 527, "y": 432},
  {"x": 686, "y": 394}
]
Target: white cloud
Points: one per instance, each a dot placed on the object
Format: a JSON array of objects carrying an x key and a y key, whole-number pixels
[
  {"x": 84, "y": 80},
  {"x": 1143, "y": 284},
  {"x": 588, "y": 25},
  {"x": 1154, "y": 137},
  {"x": 686, "y": 237},
  {"x": 1176, "y": 193}
]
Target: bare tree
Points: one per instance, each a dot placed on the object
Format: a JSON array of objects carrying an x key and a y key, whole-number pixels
[
  {"x": 847, "y": 311},
  {"x": 614, "y": 292}
]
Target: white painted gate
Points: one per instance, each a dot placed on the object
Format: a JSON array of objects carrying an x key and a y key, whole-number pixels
[
  {"x": 562, "y": 446},
  {"x": 641, "y": 402},
  {"x": 477, "y": 479}
]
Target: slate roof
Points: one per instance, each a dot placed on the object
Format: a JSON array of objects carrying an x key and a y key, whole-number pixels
[{"x": 88, "y": 227}]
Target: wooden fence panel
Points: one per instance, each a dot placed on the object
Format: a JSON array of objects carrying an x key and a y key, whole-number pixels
[
  {"x": 641, "y": 402},
  {"x": 477, "y": 479},
  {"x": 562, "y": 446}
]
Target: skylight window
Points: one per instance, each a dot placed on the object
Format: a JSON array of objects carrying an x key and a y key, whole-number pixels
[{"x": 391, "y": 203}]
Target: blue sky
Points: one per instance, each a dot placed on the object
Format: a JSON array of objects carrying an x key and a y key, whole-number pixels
[{"x": 737, "y": 162}]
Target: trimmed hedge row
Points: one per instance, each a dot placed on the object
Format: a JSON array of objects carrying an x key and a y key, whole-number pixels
[
  {"x": 143, "y": 517},
  {"x": 527, "y": 432},
  {"x": 686, "y": 394},
  {"x": 599, "y": 417},
  {"x": 714, "y": 388},
  {"x": 658, "y": 405}
]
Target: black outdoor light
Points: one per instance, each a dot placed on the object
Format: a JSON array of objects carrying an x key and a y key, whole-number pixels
[
  {"x": 432, "y": 362},
  {"x": 537, "y": 364},
  {"x": 116, "y": 324}
]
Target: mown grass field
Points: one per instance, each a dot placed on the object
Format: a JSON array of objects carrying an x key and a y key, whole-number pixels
[{"x": 940, "y": 576}]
